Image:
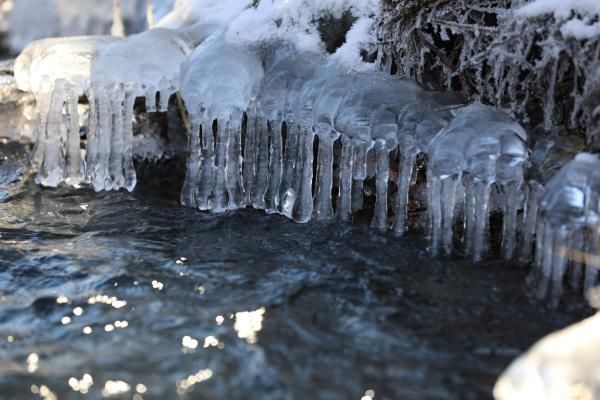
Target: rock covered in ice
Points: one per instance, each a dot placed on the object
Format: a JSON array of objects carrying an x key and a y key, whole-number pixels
[
  {"x": 568, "y": 231},
  {"x": 485, "y": 146},
  {"x": 563, "y": 365}
]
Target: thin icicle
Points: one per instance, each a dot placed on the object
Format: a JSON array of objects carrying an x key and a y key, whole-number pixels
[
  {"x": 117, "y": 180},
  {"x": 303, "y": 206},
  {"x": 287, "y": 195},
  {"x": 220, "y": 196},
  {"x": 323, "y": 208},
  {"x": 448, "y": 199},
  {"x": 261, "y": 179},
  {"x": 75, "y": 168},
  {"x": 249, "y": 167},
  {"x": 407, "y": 163},
  {"x": 275, "y": 168},
  {"x": 480, "y": 233},
  {"x": 207, "y": 165},
  {"x": 533, "y": 194},
  {"x": 382, "y": 175},
  {"x": 52, "y": 170},
  {"x": 344, "y": 204},
  {"x": 129, "y": 174},
  {"x": 192, "y": 175},
  {"x": 511, "y": 206},
  {"x": 234, "y": 169}
]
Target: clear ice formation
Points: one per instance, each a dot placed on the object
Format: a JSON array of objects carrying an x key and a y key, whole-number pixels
[
  {"x": 219, "y": 82},
  {"x": 306, "y": 123},
  {"x": 285, "y": 131},
  {"x": 562, "y": 365},
  {"x": 110, "y": 73},
  {"x": 567, "y": 228},
  {"x": 479, "y": 147}
]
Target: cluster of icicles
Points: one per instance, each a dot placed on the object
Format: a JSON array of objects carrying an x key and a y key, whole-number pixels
[{"x": 295, "y": 134}]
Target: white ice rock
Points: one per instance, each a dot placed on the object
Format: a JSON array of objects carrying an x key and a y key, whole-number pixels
[
  {"x": 568, "y": 230},
  {"x": 563, "y": 365},
  {"x": 219, "y": 82},
  {"x": 484, "y": 146}
]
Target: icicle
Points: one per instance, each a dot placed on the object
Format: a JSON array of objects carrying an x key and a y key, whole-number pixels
[
  {"x": 287, "y": 194},
  {"x": 407, "y": 162},
  {"x": 534, "y": 194},
  {"x": 303, "y": 207},
  {"x": 43, "y": 102},
  {"x": 261, "y": 179},
  {"x": 130, "y": 179},
  {"x": 100, "y": 174},
  {"x": 344, "y": 205},
  {"x": 117, "y": 180},
  {"x": 91, "y": 153},
  {"x": 381, "y": 176},
  {"x": 323, "y": 209},
  {"x": 219, "y": 198},
  {"x": 509, "y": 221},
  {"x": 75, "y": 168},
  {"x": 275, "y": 169},
  {"x": 192, "y": 175},
  {"x": 207, "y": 165},
  {"x": 434, "y": 187},
  {"x": 249, "y": 166},
  {"x": 480, "y": 234},
  {"x": 52, "y": 170},
  {"x": 234, "y": 179},
  {"x": 469, "y": 223}
]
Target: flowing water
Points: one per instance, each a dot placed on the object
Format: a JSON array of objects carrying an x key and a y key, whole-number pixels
[{"x": 131, "y": 296}]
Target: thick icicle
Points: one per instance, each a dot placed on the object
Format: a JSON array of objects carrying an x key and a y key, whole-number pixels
[
  {"x": 234, "y": 178},
  {"x": 188, "y": 192}
]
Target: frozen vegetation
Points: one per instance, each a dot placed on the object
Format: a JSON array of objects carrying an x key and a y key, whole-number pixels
[{"x": 286, "y": 114}]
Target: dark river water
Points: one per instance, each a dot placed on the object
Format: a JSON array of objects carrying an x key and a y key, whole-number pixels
[{"x": 128, "y": 295}]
